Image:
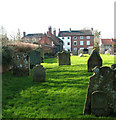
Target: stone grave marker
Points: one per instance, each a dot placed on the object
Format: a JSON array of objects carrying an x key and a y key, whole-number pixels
[
  {"x": 113, "y": 66},
  {"x": 35, "y": 57},
  {"x": 94, "y": 60},
  {"x": 39, "y": 73},
  {"x": 64, "y": 58},
  {"x": 102, "y": 80},
  {"x": 80, "y": 51},
  {"x": 99, "y": 104},
  {"x": 21, "y": 64}
]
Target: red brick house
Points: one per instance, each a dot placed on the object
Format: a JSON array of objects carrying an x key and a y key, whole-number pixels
[
  {"x": 49, "y": 42},
  {"x": 77, "y": 39},
  {"x": 107, "y": 43}
]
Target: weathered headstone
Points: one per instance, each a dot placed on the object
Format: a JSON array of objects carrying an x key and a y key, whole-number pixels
[
  {"x": 113, "y": 66},
  {"x": 41, "y": 53},
  {"x": 80, "y": 51},
  {"x": 39, "y": 73},
  {"x": 35, "y": 58},
  {"x": 81, "y": 55},
  {"x": 64, "y": 58},
  {"x": 99, "y": 104},
  {"x": 94, "y": 60},
  {"x": 102, "y": 80},
  {"x": 21, "y": 64}
]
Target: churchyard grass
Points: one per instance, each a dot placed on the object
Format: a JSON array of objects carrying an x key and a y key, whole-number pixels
[{"x": 61, "y": 96}]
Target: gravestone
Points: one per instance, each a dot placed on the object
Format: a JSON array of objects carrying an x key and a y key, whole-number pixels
[
  {"x": 113, "y": 66},
  {"x": 99, "y": 104},
  {"x": 81, "y": 55},
  {"x": 64, "y": 58},
  {"x": 102, "y": 80},
  {"x": 21, "y": 64},
  {"x": 80, "y": 51},
  {"x": 94, "y": 60},
  {"x": 41, "y": 54},
  {"x": 35, "y": 57},
  {"x": 39, "y": 73}
]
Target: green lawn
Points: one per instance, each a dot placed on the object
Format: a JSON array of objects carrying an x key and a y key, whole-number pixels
[{"x": 61, "y": 96}]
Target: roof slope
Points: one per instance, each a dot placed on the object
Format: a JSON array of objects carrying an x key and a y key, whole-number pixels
[
  {"x": 75, "y": 32},
  {"x": 107, "y": 41}
]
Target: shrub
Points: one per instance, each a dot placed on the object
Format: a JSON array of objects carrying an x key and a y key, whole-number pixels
[{"x": 7, "y": 55}]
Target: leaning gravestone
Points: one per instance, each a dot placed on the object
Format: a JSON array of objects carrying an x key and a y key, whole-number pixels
[
  {"x": 64, "y": 58},
  {"x": 35, "y": 58},
  {"x": 102, "y": 80},
  {"x": 94, "y": 60},
  {"x": 39, "y": 73},
  {"x": 21, "y": 64}
]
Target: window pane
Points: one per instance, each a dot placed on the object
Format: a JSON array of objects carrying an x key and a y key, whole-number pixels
[
  {"x": 81, "y": 37},
  {"x": 81, "y": 42},
  {"x": 88, "y": 37},
  {"x": 75, "y": 43},
  {"x": 88, "y": 42}
]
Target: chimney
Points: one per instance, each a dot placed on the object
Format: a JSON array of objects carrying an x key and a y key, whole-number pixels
[
  {"x": 59, "y": 29},
  {"x": 70, "y": 30},
  {"x": 54, "y": 32},
  {"x": 50, "y": 30},
  {"x": 24, "y": 34}
]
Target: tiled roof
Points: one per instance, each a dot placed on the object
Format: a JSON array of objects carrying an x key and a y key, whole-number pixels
[
  {"x": 75, "y": 32},
  {"x": 39, "y": 35},
  {"x": 107, "y": 41}
]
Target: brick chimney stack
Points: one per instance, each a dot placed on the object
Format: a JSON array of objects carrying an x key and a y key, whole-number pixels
[
  {"x": 54, "y": 32},
  {"x": 50, "y": 30},
  {"x": 24, "y": 34}
]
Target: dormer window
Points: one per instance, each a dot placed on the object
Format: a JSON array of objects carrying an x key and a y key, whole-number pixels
[
  {"x": 62, "y": 37},
  {"x": 74, "y": 37}
]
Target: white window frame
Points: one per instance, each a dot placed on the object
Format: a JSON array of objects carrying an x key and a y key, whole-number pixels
[
  {"x": 81, "y": 42},
  {"x": 87, "y": 37},
  {"x": 81, "y": 37},
  {"x": 88, "y": 42},
  {"x": 75, "y": 42}
]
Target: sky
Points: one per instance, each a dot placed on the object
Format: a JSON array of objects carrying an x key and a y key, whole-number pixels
[{"x": 35, "y": 16}]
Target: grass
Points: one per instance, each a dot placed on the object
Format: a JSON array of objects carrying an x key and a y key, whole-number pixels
[{"x": 61, "y": 96}]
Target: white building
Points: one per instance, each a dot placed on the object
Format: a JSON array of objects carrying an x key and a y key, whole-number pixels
[{"x": 67, "y": 43}]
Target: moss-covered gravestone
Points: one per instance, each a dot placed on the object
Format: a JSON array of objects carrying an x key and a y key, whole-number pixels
[
  {"x": 39, "y": 73},
  {"x": 99, "y": 103},
  {"x": 64, "y": 58},
  {"x": 35, "y": 57},
  {"x": 113, "y": 66},
  {"x": 21, "y": 64},
  {"x": 102, "y": 80},
  {"x": 94, "y": 60}
]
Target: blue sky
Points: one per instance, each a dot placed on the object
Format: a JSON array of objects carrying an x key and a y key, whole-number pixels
[{"x": 35, "y": 16}]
